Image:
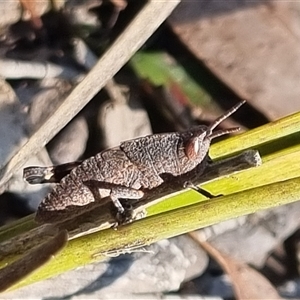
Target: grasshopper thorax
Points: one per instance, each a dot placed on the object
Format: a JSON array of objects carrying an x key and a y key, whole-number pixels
[{"x": 197, "y": 145}]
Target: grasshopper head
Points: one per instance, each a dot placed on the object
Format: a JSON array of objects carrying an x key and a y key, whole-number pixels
[{"x": 197, "y": 146}]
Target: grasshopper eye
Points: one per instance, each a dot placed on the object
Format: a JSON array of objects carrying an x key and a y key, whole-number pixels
[{"x": 192, "y": 148}]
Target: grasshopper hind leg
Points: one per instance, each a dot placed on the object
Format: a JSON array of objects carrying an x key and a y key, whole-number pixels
[
  {"x": 117, "y": 192},
  {"x": 124, "y": 193}
]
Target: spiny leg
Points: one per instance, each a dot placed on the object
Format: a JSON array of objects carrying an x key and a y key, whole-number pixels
[
  {"x": 116, "y": 192},
  {"x": 53, "y": 174}
]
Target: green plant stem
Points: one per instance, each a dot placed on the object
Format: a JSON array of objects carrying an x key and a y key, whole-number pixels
[{"x": 93, "y": 247}]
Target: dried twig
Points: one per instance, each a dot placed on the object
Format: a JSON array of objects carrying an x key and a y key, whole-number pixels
[
  {"x": 134, "y": 36},
  {"x": 15, "y": 69}
]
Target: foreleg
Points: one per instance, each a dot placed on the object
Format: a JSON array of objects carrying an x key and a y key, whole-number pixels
[{"x": 199, "y": 190}]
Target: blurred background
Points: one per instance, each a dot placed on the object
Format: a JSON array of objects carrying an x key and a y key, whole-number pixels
[{"x": 205, "y": 58}]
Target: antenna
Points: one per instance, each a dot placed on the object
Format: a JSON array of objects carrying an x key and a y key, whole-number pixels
[{"x": 220, "y": 119}]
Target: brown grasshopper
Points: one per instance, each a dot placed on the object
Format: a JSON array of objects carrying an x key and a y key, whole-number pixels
[{"x": 125, "y": 171}]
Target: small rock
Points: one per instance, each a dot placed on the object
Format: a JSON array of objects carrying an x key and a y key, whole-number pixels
[
  {"x": 266, "y": 228},
  {"x": 123, "y": 121},
  {"x": 69, "y": 145}
]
